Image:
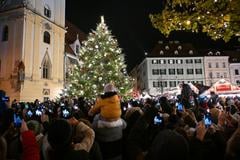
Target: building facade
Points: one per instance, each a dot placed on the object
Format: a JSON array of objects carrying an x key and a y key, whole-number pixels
[
  {"x": 32, "y": 36},
  {"x": 216, "y": 66},
  {"x": 168, "y": 65},
  {"x": 234, "y": 67},
  {"x": 172, "y": 63},
  {"x": 73, "y": 39}
]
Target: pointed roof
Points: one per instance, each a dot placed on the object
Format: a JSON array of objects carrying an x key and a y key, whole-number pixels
[
  {"x": 173, "y": 49},
  {"x": 73, "y": 32},
  {"x": 11, "y": 4},
  {"x": 223, "y": 86}
]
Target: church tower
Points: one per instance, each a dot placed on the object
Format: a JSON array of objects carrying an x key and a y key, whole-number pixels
[{"x": 32, "y": 34}]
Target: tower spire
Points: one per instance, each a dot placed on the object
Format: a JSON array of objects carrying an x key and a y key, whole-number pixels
[{"x": 102, "y": 19}]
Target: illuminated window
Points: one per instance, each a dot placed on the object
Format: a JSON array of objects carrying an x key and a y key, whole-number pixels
[
  {"x": 179, "y": 61},
  {"x": 154, "y": 61},
  {"x": 190, "y": 52},
  {"x": 198, "y": 61}
]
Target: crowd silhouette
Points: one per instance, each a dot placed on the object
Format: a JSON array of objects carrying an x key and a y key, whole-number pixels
[{"x": 186, "y": 127}]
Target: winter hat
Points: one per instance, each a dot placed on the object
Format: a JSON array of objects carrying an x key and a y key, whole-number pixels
[
  {"x": 34, "y": 126},
  {"x": 60, "y": 134},
  {"x": 109, "y": 88}
]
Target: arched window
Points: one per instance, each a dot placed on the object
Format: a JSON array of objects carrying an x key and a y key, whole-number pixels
[
  {"x": 46, "y": 37},
  {"x": 46, "y": 67},
  {"x": 21, "y": 72},
  {"x": 47, "y": 11},
  {"x": 5, "y": 33}
]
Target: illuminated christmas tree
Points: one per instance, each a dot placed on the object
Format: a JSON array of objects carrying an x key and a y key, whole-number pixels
[
  {"x": 218, "y": 18},
  {"x": 101, "y": 62}
]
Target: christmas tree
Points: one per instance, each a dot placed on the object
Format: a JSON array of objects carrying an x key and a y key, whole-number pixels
[
  {"x": 218, "y": 18},
  {"x": 101, "y": 62}
]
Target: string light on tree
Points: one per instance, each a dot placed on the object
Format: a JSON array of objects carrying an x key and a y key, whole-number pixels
[{"x": 102, "y": 62}]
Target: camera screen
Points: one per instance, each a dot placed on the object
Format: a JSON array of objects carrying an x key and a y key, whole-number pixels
[
  {"x": 5, "y": 99},
  {"x": 158, "y": 120},
  {"x": 207, "y": 120},
  {"x": 65, "y": 113},
  {"x": 180, "y": 107},
  {"x": 75, "y": 107},
  {"x": 29, "y": 113},
  {"x": 17, "y": 120},
  {"x": 38, "y": 112}
]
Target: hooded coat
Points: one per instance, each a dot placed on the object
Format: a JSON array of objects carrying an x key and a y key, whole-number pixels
[{"x": 108, "y": 106}]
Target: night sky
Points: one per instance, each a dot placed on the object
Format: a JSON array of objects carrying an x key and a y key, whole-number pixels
[{"x": 129, "y": 22}]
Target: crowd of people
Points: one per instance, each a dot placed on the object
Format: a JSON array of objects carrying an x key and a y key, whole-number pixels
[{"x": 187, "y": 127}]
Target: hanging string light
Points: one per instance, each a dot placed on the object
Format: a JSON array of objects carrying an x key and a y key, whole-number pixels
[{"x": 219, "y": 19}]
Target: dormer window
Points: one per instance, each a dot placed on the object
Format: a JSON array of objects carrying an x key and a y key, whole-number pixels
[
  {"x": 234, "y": 59},
  {"x": 217, "y": 53},
  {"x": 47, "y": 11},
  {"x": 190, "y": 52},
  {"x": 161, "y": 52},
  {"x": 77, "y": 48},
  {"x": 176, "y": 52},
  {"x": 179, "y": 47},
  {"x": 210, "y": 53}
]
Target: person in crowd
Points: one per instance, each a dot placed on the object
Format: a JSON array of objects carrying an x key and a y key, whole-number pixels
[
  {"x": 83, "y": 135},
  {"x": 108, "y": 124},
  {"x": 159, "y": 129},
  {"x": 141, "y": 135},
  {"x": 36, "y": 128},
  {"x": 3, "y": 148},
  {"x": 108, "y": 105},
  {"x": 168, "y": 145},
  {"x": 59, "y": 137},
  {"x": 233, "y": 146},
  {"x": 29, "y": 144},
  {"x": 133, "y": 113},
  {"x": 131, "y": 116},
  {"x": 165, "y": 105},
  {"x": 95, "y": 151},
  {"x": 10, "y": 134}
]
